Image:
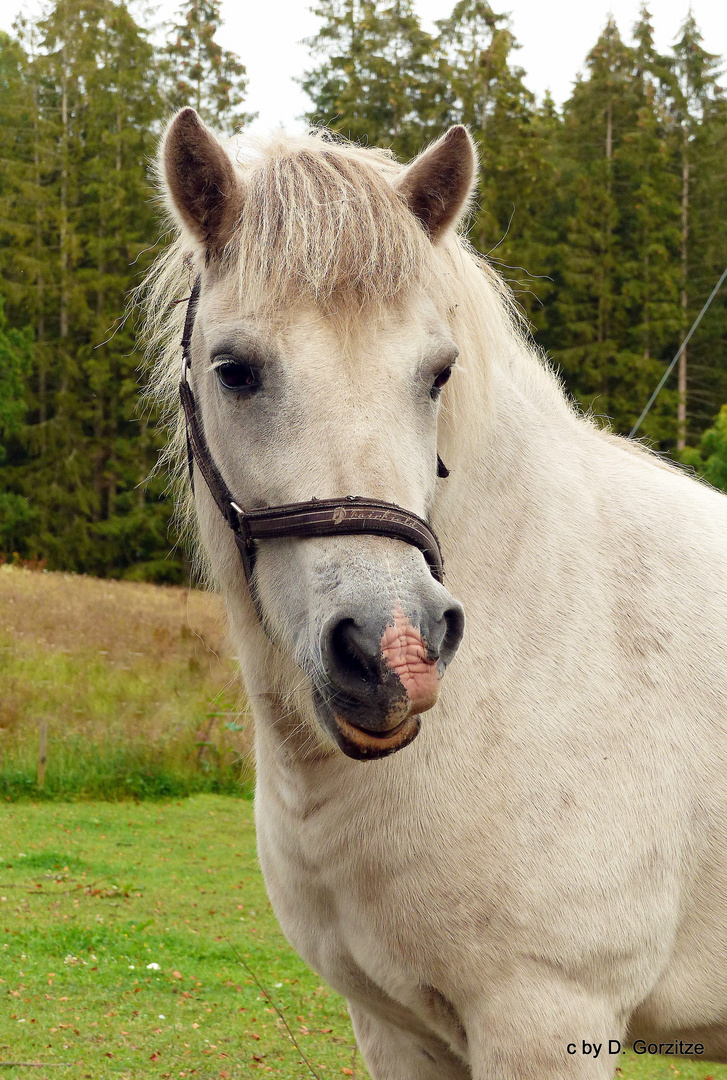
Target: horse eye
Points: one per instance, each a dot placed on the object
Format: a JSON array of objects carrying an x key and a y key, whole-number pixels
[
  {"x": 440, "y": 380},
  {"x": 237, "y": 375}
]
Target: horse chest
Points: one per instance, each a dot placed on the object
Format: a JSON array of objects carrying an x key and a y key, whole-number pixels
[
  {"x": 391, "y": 907},
  {"x": 347, "y": 908},
  {"x": 333, "y": 919},
  {"x": 320, "y": 889}
]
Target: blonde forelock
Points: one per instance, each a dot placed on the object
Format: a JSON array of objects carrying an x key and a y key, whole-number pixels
[{"x": 322, "y": 221}]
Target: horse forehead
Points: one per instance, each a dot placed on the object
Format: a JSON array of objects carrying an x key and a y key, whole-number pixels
[{"x": 303, "y": 333}]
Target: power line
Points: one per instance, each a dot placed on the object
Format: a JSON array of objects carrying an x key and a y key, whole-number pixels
[{"x": 681, "y": 349}]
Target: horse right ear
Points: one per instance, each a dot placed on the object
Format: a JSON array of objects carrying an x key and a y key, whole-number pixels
[
  {"x": 438, "y": 184},
  {"x": 203, "y": 189}
]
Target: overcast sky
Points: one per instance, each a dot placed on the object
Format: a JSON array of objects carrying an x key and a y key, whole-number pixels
[{"x": 555, "y": 37}]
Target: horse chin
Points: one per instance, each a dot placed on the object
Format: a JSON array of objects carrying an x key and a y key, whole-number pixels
[{"x": 361, "y": 745}]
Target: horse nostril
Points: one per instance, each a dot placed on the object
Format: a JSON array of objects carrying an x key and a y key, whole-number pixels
[
  {"x": 454, "y": 621},
  {"x": 347, "y": 651}
]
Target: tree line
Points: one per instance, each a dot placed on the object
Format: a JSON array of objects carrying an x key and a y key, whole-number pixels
[{"x": 606, "y": 216}]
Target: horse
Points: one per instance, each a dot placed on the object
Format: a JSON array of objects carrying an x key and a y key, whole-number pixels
[{"x": 504, "y": 840}]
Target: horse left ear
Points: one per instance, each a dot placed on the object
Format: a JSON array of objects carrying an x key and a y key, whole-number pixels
[
  {"x": 201, "y": 181},
  {"x": 438, "y": 184}
]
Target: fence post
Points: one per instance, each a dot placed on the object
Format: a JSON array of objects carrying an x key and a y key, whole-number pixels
[{"x": 41, "y": 752}]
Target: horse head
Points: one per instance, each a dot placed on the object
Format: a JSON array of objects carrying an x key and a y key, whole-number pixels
[{"x": 319, "y": 355}]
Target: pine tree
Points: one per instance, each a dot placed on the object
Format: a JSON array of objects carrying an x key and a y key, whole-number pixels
[
  {"x": 336, "y": 85},
  {"x": 201, "y": 73},
  {"x": 710, "y": 457},
  {"x": 477, "y": 44},
  {"x": 516, "y": 188},
  {"x": 16, "y": 239},
  {"x": 696, "y": 104},
  {"x": 649, "y": 216},
  {"x": 89, "y": 132},
  {"x": 16, "y": 349},
  {"x": 614, "y": 286},
  {"x": 707, "y": 258},
  {"x": 376, "y": 79}
]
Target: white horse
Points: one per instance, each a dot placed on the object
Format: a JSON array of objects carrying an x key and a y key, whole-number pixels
[{"x": 540, "y": 877}]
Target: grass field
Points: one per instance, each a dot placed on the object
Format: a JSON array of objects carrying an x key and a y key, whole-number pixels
[
  {"x": 91, "y": 894},
  {"x": 135, "y": 683}
]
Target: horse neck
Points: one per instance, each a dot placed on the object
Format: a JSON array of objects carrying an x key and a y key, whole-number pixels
[{"x": 521, "y": 478}]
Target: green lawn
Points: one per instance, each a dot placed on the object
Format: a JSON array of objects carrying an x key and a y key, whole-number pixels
[{"x": 94, "y": 893}]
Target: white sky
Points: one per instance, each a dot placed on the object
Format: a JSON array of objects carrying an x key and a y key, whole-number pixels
[{"x": 555, "y": 36}]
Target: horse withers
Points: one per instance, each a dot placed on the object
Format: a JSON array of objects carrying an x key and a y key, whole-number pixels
[{"x": 504, "y": 842}]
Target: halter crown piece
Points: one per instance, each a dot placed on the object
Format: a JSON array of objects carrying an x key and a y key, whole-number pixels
[{"x": 319, "y": 517}]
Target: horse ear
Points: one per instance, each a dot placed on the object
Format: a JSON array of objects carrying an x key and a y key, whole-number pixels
[
  {"x": 437, "y": 185},
  {"x": 201, "y": 180}
]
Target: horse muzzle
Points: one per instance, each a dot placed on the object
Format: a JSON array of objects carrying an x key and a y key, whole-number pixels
[{"x": 376, "y": 681}]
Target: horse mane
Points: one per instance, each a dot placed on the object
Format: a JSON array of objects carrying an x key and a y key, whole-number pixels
[{"x": 321, "y": 220}]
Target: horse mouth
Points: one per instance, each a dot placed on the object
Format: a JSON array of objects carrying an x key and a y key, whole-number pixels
[
  {"x": 365, "y": 745},
  {"x": 360, "y": 743}
]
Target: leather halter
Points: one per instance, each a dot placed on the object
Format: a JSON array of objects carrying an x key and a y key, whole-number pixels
[{"x": 318, "y": 517}]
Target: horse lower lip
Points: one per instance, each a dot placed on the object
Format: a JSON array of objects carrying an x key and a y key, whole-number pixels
[
  {"x": 384, "y": 733},
  {"x": 359, "y": 743},
  {"x": 356, "y": 742}
]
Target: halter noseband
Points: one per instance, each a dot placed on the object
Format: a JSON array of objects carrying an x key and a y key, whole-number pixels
[{"x": 318, "y": 517}]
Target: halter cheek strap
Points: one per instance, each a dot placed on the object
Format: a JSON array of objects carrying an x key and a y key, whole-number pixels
[{"x": 318, "y": 517}]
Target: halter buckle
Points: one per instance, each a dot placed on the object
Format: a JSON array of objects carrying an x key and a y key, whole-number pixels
[{"x": 242, "y": 526}]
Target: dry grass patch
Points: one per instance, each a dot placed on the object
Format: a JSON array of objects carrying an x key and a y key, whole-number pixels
[
  {"x": 135, "y": 682},
  {"x": 119, "y": 618}
]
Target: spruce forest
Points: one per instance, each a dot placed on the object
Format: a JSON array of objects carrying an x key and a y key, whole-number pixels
[{"x": 606, "y": 216}]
